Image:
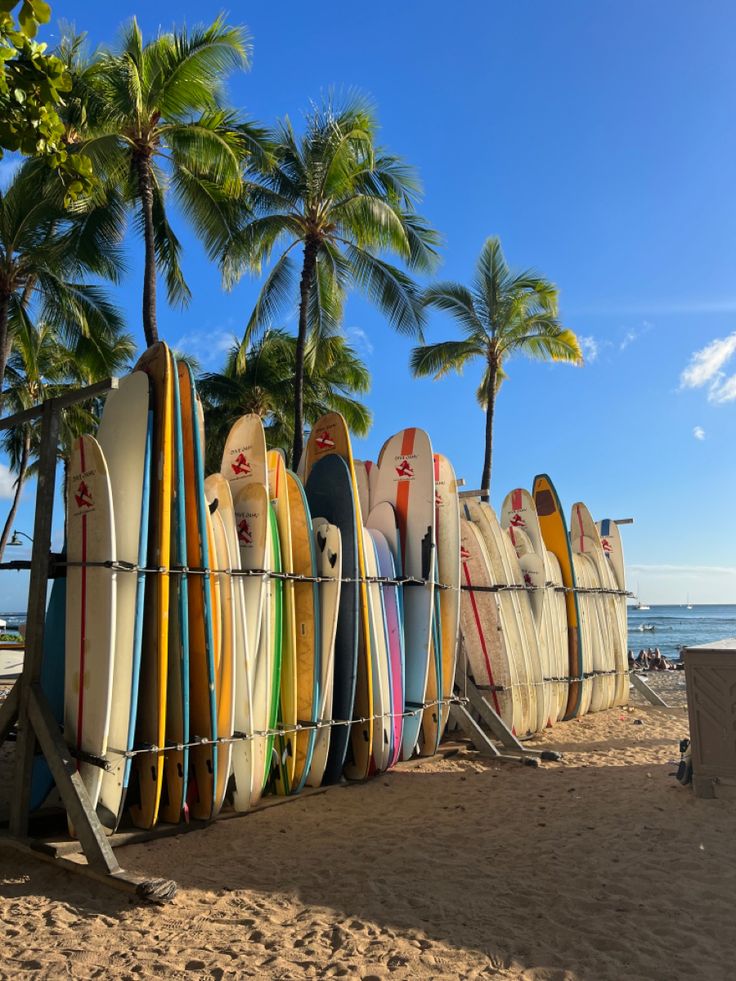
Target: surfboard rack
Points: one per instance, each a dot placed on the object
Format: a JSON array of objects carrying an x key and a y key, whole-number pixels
[
  {"x": 26, "y": 707},
  {"x": 484, "y": 727}
]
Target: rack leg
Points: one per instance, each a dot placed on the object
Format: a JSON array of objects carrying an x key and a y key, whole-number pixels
[
  {"x": 649, "y": 693},
  {"x": 9, "y": 711},
  {"x": 70, "y": 784}
]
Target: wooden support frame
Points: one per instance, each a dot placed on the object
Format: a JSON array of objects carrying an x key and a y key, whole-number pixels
[
  {"x": 644, "y": 689},
  {"x": 26, "y": 706}
]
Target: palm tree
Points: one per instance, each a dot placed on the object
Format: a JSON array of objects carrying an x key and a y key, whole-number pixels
[
  {"x": 344, "y": 202},
  {"x": 152, "y": 118},
  {"x": 265, "y": 384},
  {"x": 502, "y": 313},
  {"x": 42, "y": 366},
  {"x": 46, "y": 251}
]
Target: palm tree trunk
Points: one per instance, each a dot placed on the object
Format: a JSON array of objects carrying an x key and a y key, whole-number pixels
[
  {"x": 145, "y": 188},
  {"x": 310, "y": 262},
  {"x": 485, "y": 480},
  {"x": 25, "y": 453},
  {"x": 4, "y": 345}
]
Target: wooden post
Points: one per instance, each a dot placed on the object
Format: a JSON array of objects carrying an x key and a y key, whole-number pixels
[{"x": 36, "y": 616}]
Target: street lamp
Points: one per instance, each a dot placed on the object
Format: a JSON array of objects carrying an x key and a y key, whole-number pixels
[{"x": 15, "y": 540}]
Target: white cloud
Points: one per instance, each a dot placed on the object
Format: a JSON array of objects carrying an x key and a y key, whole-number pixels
[
  {"x": 7, "y": 480},
  {"x": 699, "y": 432},
  {"x": 208, "y": 347},
  {"x": 706, "y": 368},
  {"x": 678, "y": 570},
  {"x": 358, "y": 339},
  {"x": 589, "y": 347},
  {"x": 629, "y": 337}
]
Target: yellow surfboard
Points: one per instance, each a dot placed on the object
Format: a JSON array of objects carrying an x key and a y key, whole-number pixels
[
  {"x": 554, "y": 532},
  {"x": 330, "y": 435},
  {"x": 151, "y": 725}
]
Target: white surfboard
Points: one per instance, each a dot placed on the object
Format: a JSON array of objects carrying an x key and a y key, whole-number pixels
[
  {"x": 122, "y": 438},
  {"x": 361, "y": 479},
  {"x": 244, "y": 454},
  {"x": 405, "y": 480},
  {"x": 447, "y": 512},
  {"x": 487, "y": 655},
  {"x": 613, "y": 550},
  {"x": 328, "y": 545},
  {"x": 484, "y": 517},
  {"x": 91, "y": 594}
]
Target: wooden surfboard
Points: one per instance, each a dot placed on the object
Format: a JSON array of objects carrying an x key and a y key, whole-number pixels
[
  {"x": 176, "y": 762},
  {"x": 306, "y": 629},
  {"x": 151, "y": 722},
  {"x": 201, "y": 618}
]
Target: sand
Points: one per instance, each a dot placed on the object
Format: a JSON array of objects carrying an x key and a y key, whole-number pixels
[{"x": 598, "y": 867}]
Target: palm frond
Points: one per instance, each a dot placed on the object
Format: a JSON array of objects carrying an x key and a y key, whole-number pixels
[
  {"x": 391, "y": 289},
  {"x": 443, "y": 357}
]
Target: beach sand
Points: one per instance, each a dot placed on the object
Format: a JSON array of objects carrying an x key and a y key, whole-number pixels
[{"x": 598, "y": 867}]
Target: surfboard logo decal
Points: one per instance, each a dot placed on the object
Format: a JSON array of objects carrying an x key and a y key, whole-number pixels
[
  {"x": 240, "y": 466},
  {"x": 464, "y": 553},
  {"x": 245, "y": 535},
  {"x": 83, "y": 496},
  {"x": 405, "y": 471},
  {"x": 324, "y": 441},
  {"x": 607, "y": 547},
  {"x": 517, "y": 521}
]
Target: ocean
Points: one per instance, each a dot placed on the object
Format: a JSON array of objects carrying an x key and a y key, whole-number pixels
[{"x": 676, "y": 627}]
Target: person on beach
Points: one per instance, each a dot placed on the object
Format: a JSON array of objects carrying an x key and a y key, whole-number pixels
[
  {"x": 632, "y": 662},
  {"x": 643, "y": 660}
]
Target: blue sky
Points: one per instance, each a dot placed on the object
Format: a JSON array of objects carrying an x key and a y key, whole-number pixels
[{"x": 597, "y": 140}]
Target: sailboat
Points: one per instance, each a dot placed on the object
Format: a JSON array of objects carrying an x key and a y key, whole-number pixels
[
  {"x": 639, "y": 605},
  {"x": 688, "y": 604}
]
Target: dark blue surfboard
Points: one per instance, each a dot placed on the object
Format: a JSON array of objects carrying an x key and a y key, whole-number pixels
[{"x": 330, "y": 495}]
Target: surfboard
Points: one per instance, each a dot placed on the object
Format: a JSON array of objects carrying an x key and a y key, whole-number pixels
[
  {"x": 361, "y": 481},
  {"x": 306, "y": 629},
  {"x": 330, "y": 493},
  {"x": 251, "y": 523},
  {"x": 405, "y": 480},
  {"x": 52, "y": 681},
  {"x": 594, "y": 631},
  {"x": 613, "y": 550},
  {"x": 330, "y": 436},
  {"x": 244, "y": 454},
  {"x": 124, "y": 436},
  {"x": 272, "y": 632},
  {"x": 176, "y": 762},
  {"x": 533, "y": 569},
  {"x": 231, "y": 637},
  {"x": 328, "y": 547},
  {"x": 560, "y": 628},
  {"x": 151, "y": 721},
  {"x": 279, "y": 492},
  {"x": 380, "y": 661},
  {"x": 554, "y": 532},
  {"x": 518, "y": 513},
  {"x": 447, "y": 516},
  {"x": 391, "y": 594},
  {"x": 485, "y": 643},
  {"x": 510, "y": 619},
  {"x": 90, "y": 608},
  {"x": 585, "y": 537},
  {"x": 201, "y": 614}
]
